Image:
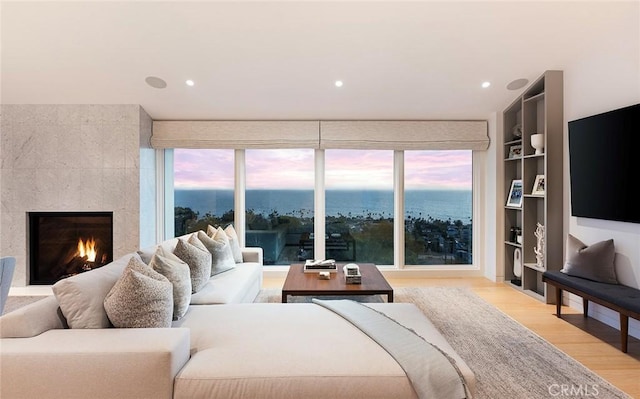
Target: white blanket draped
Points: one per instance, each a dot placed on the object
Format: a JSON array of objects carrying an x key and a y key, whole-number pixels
[{"x": 432, "y": 373}]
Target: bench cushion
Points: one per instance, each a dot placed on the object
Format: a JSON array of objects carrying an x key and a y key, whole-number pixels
[{"x": 621, "y": 295}]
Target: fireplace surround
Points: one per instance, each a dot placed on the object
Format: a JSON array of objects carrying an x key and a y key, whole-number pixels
[{"x": 62, "y": 244}]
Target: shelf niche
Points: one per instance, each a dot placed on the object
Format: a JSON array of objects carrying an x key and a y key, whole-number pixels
[{"x": 539, "y": 109}]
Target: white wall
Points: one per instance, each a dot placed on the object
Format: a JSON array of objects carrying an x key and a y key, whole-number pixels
[{"x": 605, "y": 80}]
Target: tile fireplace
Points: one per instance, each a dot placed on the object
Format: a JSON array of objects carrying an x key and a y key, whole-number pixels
[{"x": 62, "y": 244}]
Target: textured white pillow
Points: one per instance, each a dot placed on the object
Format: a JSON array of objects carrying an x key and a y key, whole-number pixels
[
  {"x": 141, "y": 298},
  {"x": 234, "y": 242},
  {"x": 178, "y": 273},
  {"x": 221, "y": 255},
  {"x": 81, "y": 297},
  {"x": 594, "y": 262},
  {"x": 199, "y": 261}
]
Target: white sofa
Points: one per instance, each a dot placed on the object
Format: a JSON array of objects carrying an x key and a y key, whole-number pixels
[{"x": 229, "y": 350}]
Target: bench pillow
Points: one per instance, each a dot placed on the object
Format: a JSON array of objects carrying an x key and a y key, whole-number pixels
[{"x": 593, "y": 262}]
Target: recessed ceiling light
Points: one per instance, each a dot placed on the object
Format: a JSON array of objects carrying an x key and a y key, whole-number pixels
[
  {"x": 486, "y": 84},
  {"x": 155, "y": 82},
  {"x": 517, "y": 84},
  {"x": 190, "y": 82},
  {"x": 339, "y": 83}
]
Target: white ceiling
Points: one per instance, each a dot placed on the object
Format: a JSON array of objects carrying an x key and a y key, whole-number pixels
[{"x": 279, "y": 60}]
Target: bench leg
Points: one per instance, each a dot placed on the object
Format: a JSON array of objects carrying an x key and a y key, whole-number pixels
[
  {"x": 624, "y": 332},
  {"x": 585, "y": 307},
  {"x": 558, "y": 300}
]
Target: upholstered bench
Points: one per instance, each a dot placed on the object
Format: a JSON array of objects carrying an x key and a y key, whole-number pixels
[{"x": 621, "y": 298}]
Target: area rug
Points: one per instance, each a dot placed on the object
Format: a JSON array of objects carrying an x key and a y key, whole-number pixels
[{"x": 509, "y": 360}]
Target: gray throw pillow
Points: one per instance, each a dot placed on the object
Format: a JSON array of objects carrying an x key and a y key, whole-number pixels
[
  {"x": 594, "y": 262},
  {"x": 199, "y": 261},
  {"x": 177, "y": 272},
  {"x": 141, "y": 298},
  {"x": 221, "y": 256}
]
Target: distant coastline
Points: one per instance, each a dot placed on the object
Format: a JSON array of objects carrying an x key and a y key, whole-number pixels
[{"x": 436, "y": 204}]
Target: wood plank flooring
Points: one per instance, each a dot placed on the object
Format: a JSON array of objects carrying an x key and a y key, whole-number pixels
[{"x": 589, "y": 341}]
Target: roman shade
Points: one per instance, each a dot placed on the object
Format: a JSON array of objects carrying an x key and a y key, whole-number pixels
[
  {"x": 235, "y": 134},
  {"x": 404, "y": 135},
  {"x": 382, "y": 135}
]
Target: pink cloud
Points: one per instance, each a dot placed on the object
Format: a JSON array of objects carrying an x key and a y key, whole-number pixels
[{"x": 344, "y": 169}]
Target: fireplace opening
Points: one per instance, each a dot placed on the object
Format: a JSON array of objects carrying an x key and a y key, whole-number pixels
[{"x": 63, "y": 244}]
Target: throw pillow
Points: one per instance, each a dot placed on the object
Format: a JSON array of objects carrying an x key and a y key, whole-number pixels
[
  {"x": 234, "y": 242},
  {"x": 199, "y": 261},
  {"x": 81, "y": 297},
  {"x": 221, "y": 256},
  {"x": 141, "y": 298},
  {"x": 594, "y": 262},
  {"x": 177, "y": 272}
]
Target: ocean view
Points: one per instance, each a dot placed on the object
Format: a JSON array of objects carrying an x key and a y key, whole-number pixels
[{"x": 437, "y": 204}]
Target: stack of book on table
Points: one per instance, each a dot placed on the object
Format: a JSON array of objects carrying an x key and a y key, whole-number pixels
[{"x": 316, "y": 266}]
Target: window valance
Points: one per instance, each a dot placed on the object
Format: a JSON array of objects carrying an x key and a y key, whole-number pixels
[
  {"x": 404, "y": 135},
  {"x": 235, "y": 134},
  {"x": 383, "y": 135}
]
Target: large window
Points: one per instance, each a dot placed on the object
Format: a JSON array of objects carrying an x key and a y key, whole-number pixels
[
  {"x": 203, "y": 183},
  {"x": 279, "y": 203},
  {"x": 359, "y": 206},
  {"x": 438, "y": 207},
  {"x": 357, "y": 222}
]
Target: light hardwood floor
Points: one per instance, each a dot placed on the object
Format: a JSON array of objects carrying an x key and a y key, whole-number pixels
[{"x": 592, "y": 343}]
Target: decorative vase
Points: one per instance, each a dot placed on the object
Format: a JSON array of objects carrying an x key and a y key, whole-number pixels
[
  {"x": 537, "y": 142},
  {"x": 517, "y": 263}
]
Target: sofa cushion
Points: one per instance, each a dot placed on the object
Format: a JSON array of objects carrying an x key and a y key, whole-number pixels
[
  {"x": 81, "y": 297},
  {"x": 177, "y": 272},
  {"x": 234, "y": 242},
  {"x": 594, "y": 262},
  {"x": 199, "y": 261},
  {"x": 141, "y": 298},
  {"x": 221, "y": 256},
  {"x": 231, "y": 287},
  {"x": 303, "y": 367}
]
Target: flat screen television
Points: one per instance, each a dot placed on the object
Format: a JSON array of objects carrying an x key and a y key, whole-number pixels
[{"x": 604, "y": 165}]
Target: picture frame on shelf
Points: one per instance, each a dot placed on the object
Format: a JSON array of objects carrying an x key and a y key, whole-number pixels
[
  {"x": 515, "y": 151},
  {"x": 514, "y": 200},
  {"x": 538, "y": 185}
]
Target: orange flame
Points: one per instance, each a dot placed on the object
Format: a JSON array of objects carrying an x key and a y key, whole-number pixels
[{"x": 87, "y": 249}]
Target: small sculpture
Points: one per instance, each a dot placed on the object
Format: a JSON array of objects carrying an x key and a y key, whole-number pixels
[{"x": 539, "y": 249}]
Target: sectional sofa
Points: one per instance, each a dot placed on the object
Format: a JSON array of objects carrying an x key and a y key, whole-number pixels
[{"x": 223, "y": 346}]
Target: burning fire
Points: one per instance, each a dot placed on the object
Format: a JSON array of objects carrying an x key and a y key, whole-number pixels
[{"x": 87, "y": 249}]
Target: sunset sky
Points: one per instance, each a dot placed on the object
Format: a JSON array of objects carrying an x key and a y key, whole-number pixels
[{"x": 345, "y": 169}]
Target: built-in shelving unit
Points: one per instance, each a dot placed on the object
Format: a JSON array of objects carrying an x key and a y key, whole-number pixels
[{"x": 537, "y": 110}]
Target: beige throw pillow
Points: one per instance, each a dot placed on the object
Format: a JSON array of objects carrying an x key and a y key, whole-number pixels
[
  {"x": 221, "y": 256},
  {"x": 594, "y": 262},
  {"x": 81, "y": 297},
  {"x": 235, "y": 243},
  {"x": 178, "y": 273},
  {"x": 199, "y": 261},
  {"x": 141, "y": 298}
]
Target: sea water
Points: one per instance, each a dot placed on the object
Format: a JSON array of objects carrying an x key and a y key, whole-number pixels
[{"x": 436, "y": 204}]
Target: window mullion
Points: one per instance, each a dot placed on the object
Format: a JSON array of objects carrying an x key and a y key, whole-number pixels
[
  {"x": 398, "y": 209},
  {"x": 319, "y": 229},
  {"x": 240, "y": 182}
]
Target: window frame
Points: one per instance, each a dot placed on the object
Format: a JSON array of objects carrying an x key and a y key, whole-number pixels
[{"x": 166, "y": 205}]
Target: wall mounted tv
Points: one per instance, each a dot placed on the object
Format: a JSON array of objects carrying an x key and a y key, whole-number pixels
[{"x": 604, "y": 165}]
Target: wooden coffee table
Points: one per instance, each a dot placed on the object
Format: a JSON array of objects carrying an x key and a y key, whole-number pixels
[{"x": 308, "y": 284}]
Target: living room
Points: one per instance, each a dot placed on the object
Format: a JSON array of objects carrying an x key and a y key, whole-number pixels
[{"x": 78, "y": 118}]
